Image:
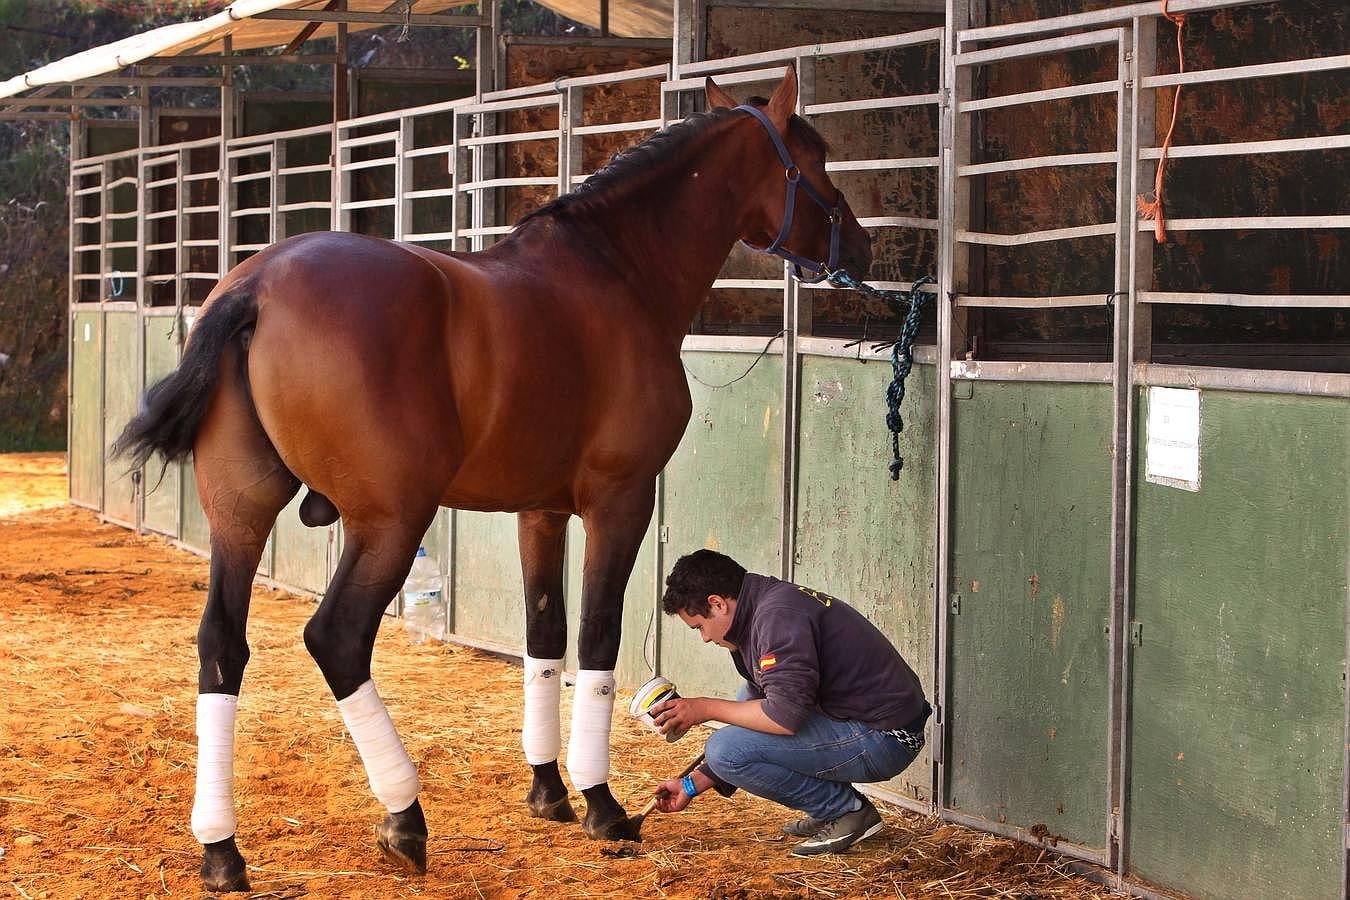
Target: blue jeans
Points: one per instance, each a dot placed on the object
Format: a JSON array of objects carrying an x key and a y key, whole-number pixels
[{"x": 812, "y": 770}]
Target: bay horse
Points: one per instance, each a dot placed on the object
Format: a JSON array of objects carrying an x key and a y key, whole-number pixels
[{"x": 541, "y": 376}]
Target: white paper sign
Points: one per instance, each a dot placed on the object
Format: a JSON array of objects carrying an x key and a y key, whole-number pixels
[{"x": 1173, "y": 442}]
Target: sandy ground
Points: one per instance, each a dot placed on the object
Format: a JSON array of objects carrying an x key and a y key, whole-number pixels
[{"x": 97, "y": 757}]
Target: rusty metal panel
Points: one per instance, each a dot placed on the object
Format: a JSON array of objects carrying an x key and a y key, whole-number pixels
[
  {"x": 121, "y": 386},
  {"x": 861, "y": 536},
  {"x": 722, "y": 491},
  {"x": 540, "y": 61},
  {"x": 1238, "y": 654},
  {"x": 86, "y": 409},
  {"x": 162, "y": 494},
  {"x": 1028, "y": 604}
]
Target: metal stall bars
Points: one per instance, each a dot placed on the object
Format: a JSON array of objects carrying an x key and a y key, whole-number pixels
[
  {"x": 106, "y": 252},
  {"x": 1005, "y": 797}
]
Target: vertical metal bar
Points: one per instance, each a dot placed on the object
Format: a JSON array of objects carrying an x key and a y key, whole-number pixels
[
  {"x": 458, "y": 160},
  {"x": 689, "y": 27},
  {"x": 486, "y": 47},
  {"x": 76, "y": 139},
  {"x": 143, "y": 142},
  {"x": 180, "y": 285},
  {"x": 403, "y": 170},
  {"x": 792, "y": 302},
  {"x": 105, "y": 172},
  {"x": 224, "y": 192},
  {"x": 954, "y": 267},
  {"x": 1122, "y": 458},
  {"x": 1139, "y": 272},
  {"x": 1345, "y": 758},
  {"x": 278, "y": 195},
  {"x": 571, "y": 148},
  {"x": 604, "y": 18}
]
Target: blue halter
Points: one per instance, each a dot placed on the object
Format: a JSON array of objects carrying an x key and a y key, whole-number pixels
[{"x": 822, "y": 270}]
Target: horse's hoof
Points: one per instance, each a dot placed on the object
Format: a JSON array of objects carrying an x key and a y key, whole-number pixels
[
  {"x": 620, "y": 829},
  {"x": 223, "y": 868},
  {"x": 554, "y": 810},
  {"x": 407, "y": 851},
  {"x": 402, "y": 837}
]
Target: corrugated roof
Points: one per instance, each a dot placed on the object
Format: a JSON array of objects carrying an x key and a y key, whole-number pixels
[{"x": 627, "y": 18}]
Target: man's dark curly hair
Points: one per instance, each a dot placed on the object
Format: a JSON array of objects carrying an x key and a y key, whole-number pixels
[{"x": 696, "y": 577}]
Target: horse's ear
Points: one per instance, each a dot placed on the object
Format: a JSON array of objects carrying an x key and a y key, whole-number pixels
[
  {"x": 717, "y": 98},
  {"x": 783, "y": 103}
]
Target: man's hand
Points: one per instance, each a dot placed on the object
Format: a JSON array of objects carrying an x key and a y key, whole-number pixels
[
  {"x": 678, "y": 716},
  {"x": 670, "y": 796}
]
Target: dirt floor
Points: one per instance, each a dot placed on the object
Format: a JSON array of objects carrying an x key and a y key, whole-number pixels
[{"x": 98, "y": 667}]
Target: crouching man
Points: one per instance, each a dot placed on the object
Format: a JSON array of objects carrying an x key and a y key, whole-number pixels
[{"x": 827, "y": 701}]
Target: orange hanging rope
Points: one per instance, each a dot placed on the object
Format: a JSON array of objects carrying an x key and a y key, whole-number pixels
[{"x": 1153, "y": 209}]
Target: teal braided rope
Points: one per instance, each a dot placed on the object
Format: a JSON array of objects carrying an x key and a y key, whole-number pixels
[{"x": 902, "y": 356}]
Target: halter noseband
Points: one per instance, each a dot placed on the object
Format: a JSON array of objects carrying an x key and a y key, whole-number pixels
[{"x": 835, "y": 214}]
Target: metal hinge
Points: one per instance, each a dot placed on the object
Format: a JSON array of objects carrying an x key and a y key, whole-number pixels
[
  {"x": 1137, "y": 634},
  {"x": 663, "y": 534},
  {"x": 955, "y": 604}
]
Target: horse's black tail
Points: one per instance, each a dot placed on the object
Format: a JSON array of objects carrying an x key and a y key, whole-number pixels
[{"x": 171, "y": 412}]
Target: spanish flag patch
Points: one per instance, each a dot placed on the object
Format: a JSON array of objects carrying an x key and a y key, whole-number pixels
[{"x": 767, "y": 661}]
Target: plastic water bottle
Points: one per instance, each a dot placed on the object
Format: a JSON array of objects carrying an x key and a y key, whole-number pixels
[{"x": 423, "y": 607}]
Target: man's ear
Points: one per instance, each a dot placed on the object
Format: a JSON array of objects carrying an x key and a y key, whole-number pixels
[
  {"x": 718, "y": 98},
  {"x": 783, "y": 103},
  {"x": 720, "y": 604}
]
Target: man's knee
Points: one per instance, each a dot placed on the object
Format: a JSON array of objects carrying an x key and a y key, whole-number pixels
[{"x": 725, "y": 751}]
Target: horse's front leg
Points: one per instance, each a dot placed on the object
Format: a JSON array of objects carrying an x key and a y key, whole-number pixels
[
  {"x": 543, "y": 542},
  {"x": 341, "y": 638},
  {"x": 614, "y": 530}
]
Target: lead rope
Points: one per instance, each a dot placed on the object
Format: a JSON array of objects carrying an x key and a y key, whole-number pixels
[{"x": 902, "y": 356}]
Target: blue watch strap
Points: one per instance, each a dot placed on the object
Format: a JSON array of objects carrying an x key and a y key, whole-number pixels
[{"x": 688, "y": 784}]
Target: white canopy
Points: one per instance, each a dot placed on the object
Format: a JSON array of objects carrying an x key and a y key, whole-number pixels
[{"x": 627, "y": 18}]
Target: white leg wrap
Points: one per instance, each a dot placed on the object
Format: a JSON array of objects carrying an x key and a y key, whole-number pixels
[
  {"x": 541, "y": 731},
  {"x": 393, "y": 777},
  {"x": 592, "y": 714},
  {"x": 213, "y": 805}
]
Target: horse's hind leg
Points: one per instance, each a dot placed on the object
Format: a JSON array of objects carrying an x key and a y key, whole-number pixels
[
  {"x": 543, "y": 541},
  {"x": 243, "y": 485},
  {"x": 341, "y": 638}
]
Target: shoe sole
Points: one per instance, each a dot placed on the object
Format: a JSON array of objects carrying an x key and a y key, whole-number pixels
[{"x": 804, "y": 851}]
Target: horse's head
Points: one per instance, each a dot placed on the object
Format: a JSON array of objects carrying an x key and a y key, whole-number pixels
[{"x": 795, "y": 211}]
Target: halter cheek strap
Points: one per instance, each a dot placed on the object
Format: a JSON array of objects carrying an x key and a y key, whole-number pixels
[{"x": 794, "y": 179}]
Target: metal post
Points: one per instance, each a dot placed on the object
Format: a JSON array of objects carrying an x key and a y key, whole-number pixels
[
  {"x": 1122, "y": 389},
  {"x": 143, "y": 142},
  {"x": 224, "y": 195},
  {"x": 689, "y": 39},
  {"x": 1138, "y": 272},
  {"x": 954, "y": 210}
]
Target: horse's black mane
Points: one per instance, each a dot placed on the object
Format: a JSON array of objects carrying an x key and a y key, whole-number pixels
[{"x": 650, "y": 155}]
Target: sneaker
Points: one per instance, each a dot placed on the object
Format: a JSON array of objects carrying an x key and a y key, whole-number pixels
[
  {"x": 837, "y": 835},
  {"x": 803, "y": 828}
]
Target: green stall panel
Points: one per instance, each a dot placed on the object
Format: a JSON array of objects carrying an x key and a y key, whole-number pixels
[
  {"x": 723, "y": 490},
  {"x": 162, "y": 492},
  {"x": 1237, "y": 695},
  {"x": 86, "y": 410},
  {"x": 1028, "y": 605},
  {"x": 640, "y": 608},
  {"x": 196, "y": 530},
  {"x": 300, "y": 553},
  {"x": 489, "y": 590},
  {"x": 861, "y": 536},
  {"x": 121, "y": 397}
]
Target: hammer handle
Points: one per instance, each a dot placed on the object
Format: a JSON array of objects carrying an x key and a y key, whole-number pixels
[{"x": 651, "y": 804}]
